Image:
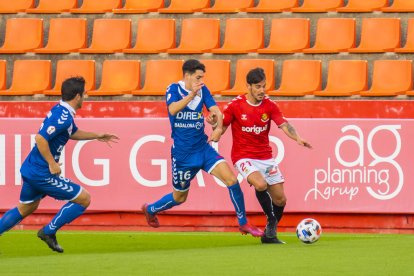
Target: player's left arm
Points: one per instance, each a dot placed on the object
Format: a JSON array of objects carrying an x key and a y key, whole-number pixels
[
  {"x": 287, "y": 128},
  {"x": 102, "y": 137},
  {"x": 291, "y": 132}
]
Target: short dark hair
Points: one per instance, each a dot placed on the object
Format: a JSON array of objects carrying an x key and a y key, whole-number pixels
[
  {"x": 71, "y": 87},
  {"x": 192, "y": 65},
  {"x": 255, "y": 75}
]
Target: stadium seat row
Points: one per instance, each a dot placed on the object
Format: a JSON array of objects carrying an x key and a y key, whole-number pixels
[
  {"x": 298, "y": 77},
  {"x": 220, "y": 6},
  {"x": 202, "y": 35}
]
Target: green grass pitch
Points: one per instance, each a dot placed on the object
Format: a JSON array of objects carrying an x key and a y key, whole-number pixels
[{"x": 185, "y": 253}]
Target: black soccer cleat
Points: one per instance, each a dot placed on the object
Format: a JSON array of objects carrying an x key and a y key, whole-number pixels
[
  {"x": 273, "y": 240},
  {"x": 50, "y": 240},
  {"x": 270, "y": 230}
]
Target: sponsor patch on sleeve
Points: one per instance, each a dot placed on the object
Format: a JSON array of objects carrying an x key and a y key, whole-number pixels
[{"x": 50, "y": 130}]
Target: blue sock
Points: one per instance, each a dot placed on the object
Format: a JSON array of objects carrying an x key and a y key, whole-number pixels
[
  {"x": 67, "y": 214},
  {"x": 10, "y": 219},
  {"x": 236, "y": 196},
  {"x": 165, "y": 203}
]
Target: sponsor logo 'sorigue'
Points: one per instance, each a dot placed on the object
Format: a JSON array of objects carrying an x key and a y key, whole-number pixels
[{"x": 255, "y": 129}]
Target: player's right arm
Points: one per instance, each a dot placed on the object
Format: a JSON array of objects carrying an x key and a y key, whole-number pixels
[
  {"x": 176, "y": 106},
  {"x": 43, "y": 147}
]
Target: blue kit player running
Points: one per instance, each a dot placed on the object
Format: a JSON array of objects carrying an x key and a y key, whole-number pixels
[
  {"x": 41, "y": 170},
  {"x": 191, "y": 151}
]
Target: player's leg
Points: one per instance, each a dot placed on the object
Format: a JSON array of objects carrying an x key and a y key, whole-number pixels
[
  {"x": 168, "y": 201},
  {"x": 29, "y": 201},
  {"x": 274, "y": 179},
  {"x": 215, "y": 165},
  {"x": 279, "y": 199},
  {"x": 183, "y": 172},
  {"x": 78, "y": 200},
  {"x": 223, "y": 172},
  {"x": 17, "y": 214},
  {"x": 69, "y": 212},
  {"x": 254, "y": 177}
]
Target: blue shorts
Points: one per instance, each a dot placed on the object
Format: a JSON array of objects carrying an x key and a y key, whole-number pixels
[
  {"x": 185, "y": 166},
  {"x": 54, "y": 186}
]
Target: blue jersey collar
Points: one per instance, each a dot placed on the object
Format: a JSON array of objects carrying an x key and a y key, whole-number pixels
[{"x": 68, "y": 107}]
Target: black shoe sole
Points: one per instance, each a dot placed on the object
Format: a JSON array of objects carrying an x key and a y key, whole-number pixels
[{"x": 267, "y": 240}]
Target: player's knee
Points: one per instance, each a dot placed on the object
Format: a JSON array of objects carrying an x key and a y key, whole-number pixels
[
  {"x": 87, "y": 200},
  {"x": 281, "y": 201},
  {"x": 229, "y": 181},
  {"x": 260, "y": 186},
  {"x": 27, "y": 209},
  {"x": 180, "y": 200},
  {"x": 83, "y": 199},
  {"x": 180, "y": 197}
]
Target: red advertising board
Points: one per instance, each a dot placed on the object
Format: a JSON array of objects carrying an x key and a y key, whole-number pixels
[{"x": 356, "y": 165}]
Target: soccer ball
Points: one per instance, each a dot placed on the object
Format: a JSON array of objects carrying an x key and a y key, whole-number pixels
[{"x": 309, "y": 230}]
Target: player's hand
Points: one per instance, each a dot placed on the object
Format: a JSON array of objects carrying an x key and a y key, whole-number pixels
[
  {"x": 195, "y": 88},
  {"x": 215, "y": 135},
  {"x": 54, "y": 168},
  {"x": 304, "y": 143},
  {"x": 108, "y": 138},
  {"x": 211, "y": 119}
]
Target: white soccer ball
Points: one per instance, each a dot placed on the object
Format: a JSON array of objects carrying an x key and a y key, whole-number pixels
[{"x": 309, "y": 230}]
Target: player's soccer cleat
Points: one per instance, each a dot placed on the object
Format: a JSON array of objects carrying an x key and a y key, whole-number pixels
[
  {"x": 270, "y": 230},
  {"x": 274, "y": 240},
  {"x": 50, "y": 240},
  {"x": 250, "y": 229},
  {"x": 152, "y": 220}
]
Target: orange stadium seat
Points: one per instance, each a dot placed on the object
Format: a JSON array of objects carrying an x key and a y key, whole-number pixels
[
  {"x": 3, "y": 74},
  {"x": 109, "y": 36},
  {"x": 390, "y": 78},
  {"x": 66, "y": 35},
  {"x": 319, "y": 6},
  {"x": 73, "y": 68},
  {"x": 118, "y": 77},
  {"x": 217, "y": 76},
  {"x": 409, "y": 43},
  {"x": 299, "y": 78},
  {"x": 243, "y": 66},
  {"x": 15, "y": 6},
  {"x": 29, "y": 77},
  {"x": 333, "y": 35},
  {"x": 400, "y": 6},
  {"x": 140, "y": 6},
  {"x": 154, "y": 35},
  {"x": 53, "y": 6},
  {"x": 288, "y": 35},
  {"x": 226, "y": 6},
  {"x": 345, "y": 77},
  {"x": 97, "y": 6},
  {"x": 243, "y": 35},
  {"x": 198, "y": 35},
  {"x": 185, "y": 6},
  {"x": 379, "y": 35},
  {"x": 363, "y": 6},
  {"x": 159, "y": 74},
  {"x": 273, "y": 6},
  {"x": 22, "y": 35}
]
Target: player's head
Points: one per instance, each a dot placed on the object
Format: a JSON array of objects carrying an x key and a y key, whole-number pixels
[
  {"x": 256, "y": 83},
  {"x": 73, "y": 90},
  {"x": 193, "y": 72}
]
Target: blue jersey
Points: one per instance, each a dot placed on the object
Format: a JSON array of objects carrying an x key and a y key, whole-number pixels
[
  {"x": 56, "y": 128},
  {"x": 188, "y": 125}
]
